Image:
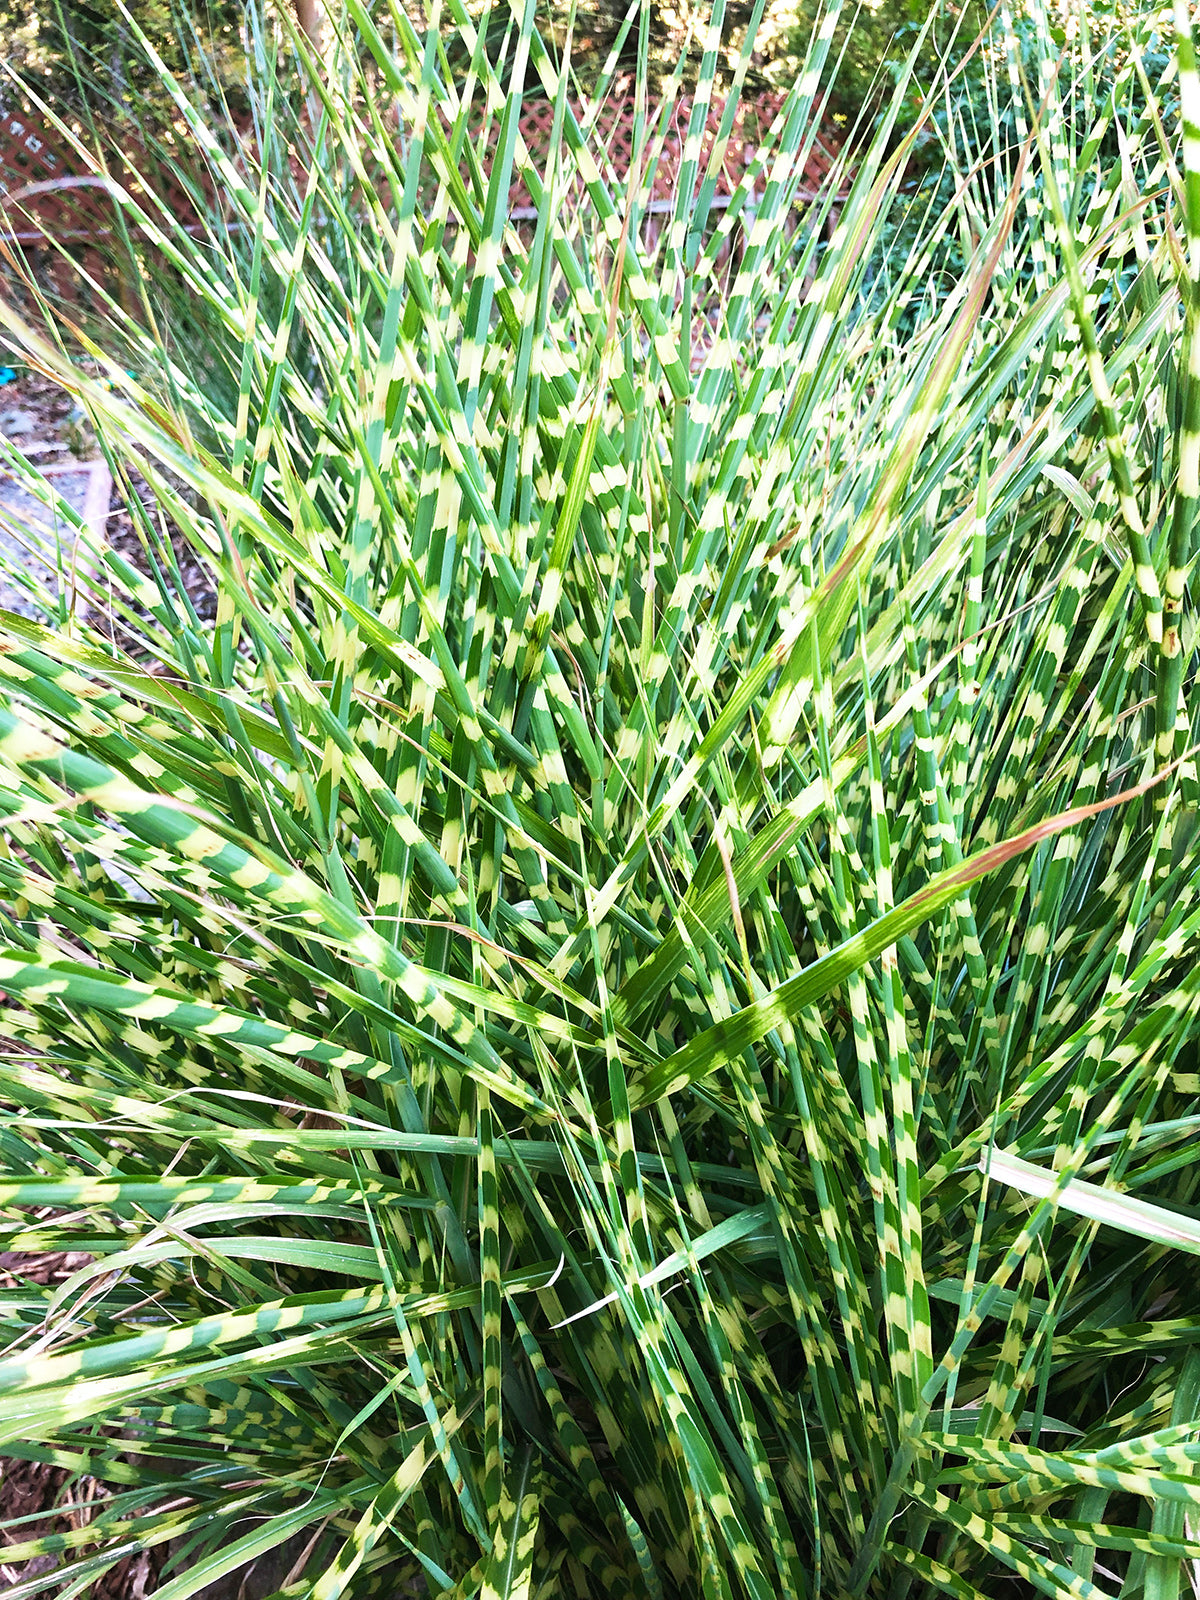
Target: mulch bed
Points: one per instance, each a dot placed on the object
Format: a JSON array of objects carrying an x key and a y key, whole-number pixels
[
  {"x": 28, "y": 1488},
  {"x": 56, "y": 1502}
]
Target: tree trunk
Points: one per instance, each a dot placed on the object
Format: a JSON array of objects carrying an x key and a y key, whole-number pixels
[{"x": 308, "y": 15}]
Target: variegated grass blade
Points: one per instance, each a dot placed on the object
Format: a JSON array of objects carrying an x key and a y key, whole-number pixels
[{"x": 622, "y": 1019}]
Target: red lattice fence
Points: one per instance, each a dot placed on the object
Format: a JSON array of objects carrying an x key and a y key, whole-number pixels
[
  {"x": 40, "y": 197},
  {"x": 46, "y": 203},
  {"x": 614, "y": 134},
  {"x": 58, "y": 215}
]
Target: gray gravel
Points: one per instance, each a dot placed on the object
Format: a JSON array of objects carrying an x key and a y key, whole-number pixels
[
  {"x": 32, "y": 540},
  {"x": 36, "y": 542}
]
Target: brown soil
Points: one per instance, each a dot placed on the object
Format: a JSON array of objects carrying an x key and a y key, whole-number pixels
[
  {"x": 28, "y": 1488},
  {"x": 56, "y": 1502}
]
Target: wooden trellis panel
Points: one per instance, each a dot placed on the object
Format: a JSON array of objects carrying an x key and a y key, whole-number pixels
[
  {"x": 614, "y": 137},
  {"x": 39, "y": 193},
  {"x": 45, "y": 202}
]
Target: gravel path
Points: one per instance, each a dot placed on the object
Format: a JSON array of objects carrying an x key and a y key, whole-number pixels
[{"x": 35, "y": 419}]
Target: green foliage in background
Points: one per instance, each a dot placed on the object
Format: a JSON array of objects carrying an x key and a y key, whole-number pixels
[
  {"x": 84, "y": 55},
  {"x": 612, "y": 39},
  {"x": 970, "y": 134},
  {"x": 85, "y": 52},
  {"x": 870, "y": 48},
  {"x": 614, "y": 1007}
]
